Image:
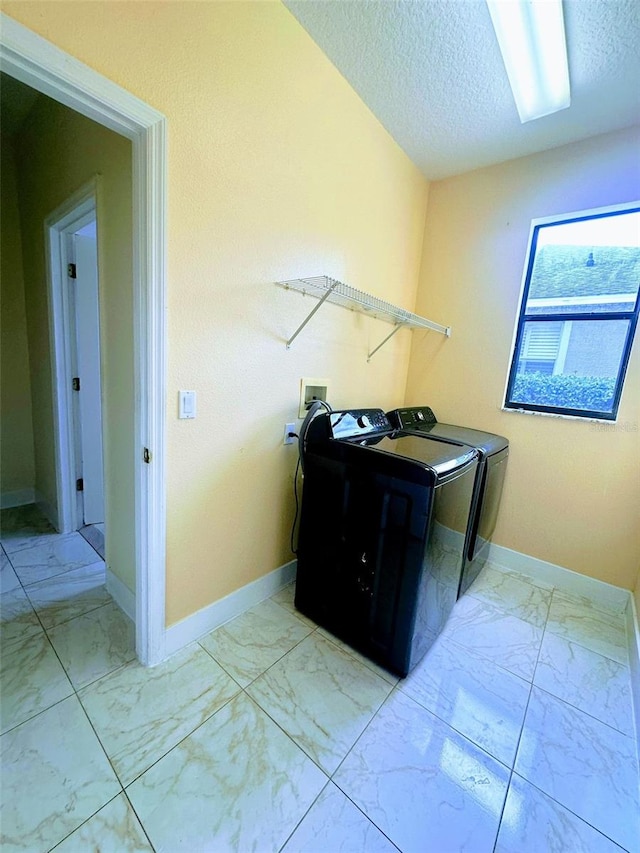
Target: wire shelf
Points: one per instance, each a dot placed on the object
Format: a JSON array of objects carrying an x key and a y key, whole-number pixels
[{"x": 327, "y": 289}]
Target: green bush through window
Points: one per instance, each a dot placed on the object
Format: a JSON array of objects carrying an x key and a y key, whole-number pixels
[{"x": 592, "y": 393}]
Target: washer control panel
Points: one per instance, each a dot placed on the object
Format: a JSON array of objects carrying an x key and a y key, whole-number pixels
[{"x": 358, "y": 423}]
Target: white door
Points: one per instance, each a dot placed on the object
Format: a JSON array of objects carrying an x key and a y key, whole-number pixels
[{"x": 88, "y": 408}]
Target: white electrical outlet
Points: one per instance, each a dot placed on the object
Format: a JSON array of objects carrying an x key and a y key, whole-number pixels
[{"x": 289, "y": 428}]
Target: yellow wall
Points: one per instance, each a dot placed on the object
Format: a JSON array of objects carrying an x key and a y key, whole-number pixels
[
  {"x": 58, "y": 152},
  {"x": 572, "y": 495},
  {"x": 17, "y": 472},
  {"x": 276, "y": 170}
]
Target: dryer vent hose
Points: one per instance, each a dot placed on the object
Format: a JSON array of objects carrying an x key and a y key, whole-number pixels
[{"x": 312, "y": 410}]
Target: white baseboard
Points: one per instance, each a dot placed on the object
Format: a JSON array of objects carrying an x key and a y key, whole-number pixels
[
  {"x": 633, "y": 637},
  {"x": 122, "y": 595},
  {"x": 206, "y": 620},
  {"x": 605, "y": 595},
  {"x": 18, "y": 497}
]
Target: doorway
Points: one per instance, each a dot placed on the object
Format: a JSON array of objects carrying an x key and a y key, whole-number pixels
[
  {"x": 83, "y": 251},
  {"x": 41, "y": 65},
  {"x": 75, "y": 304}
]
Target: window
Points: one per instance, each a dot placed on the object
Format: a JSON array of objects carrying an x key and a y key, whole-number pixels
[{"x": 578, "y": 314}]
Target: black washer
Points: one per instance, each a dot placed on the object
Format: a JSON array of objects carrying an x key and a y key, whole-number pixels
[{"x": 382, "y": 533}]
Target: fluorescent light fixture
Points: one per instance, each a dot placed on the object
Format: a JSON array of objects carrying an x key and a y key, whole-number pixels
[{"x": 533, "y": 46}]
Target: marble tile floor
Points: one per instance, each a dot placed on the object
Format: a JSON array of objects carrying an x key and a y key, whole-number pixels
[{"x": 514, "y": 734}]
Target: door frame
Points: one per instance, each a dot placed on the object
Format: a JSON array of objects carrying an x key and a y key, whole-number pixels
[
  {"x": 48, "y": 69},
  {"x": 62, "y": 222}
]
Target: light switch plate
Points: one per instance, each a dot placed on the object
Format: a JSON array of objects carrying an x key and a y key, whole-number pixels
[{"x": 187, "y": 404}]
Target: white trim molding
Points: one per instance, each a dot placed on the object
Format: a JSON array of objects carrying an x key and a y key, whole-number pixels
[
  {"x": 121, "y": 594},
  {"x": 47, "y": 509},
  {"x": 57, "y": 226},
  {"x": 607, "y": 596},
  {"x": 17, "y": 497},
  {"x": 206, "y": 620},
  {"x": 43, "y": 66},
  {"x": 633, "y": 638}
]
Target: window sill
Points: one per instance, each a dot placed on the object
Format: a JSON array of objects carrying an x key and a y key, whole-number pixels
[{"x": 626, "y": 426}]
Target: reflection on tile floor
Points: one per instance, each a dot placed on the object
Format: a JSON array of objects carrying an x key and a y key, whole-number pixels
[{"x": 513, "y": 735}]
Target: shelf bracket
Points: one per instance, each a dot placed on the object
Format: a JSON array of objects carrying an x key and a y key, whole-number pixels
[
  {"x": 382, "y": 343},
  {"x": 330, "y": 290}
]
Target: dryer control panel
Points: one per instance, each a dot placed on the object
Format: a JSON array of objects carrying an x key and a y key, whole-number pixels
[{"x": 417, "y": 416}]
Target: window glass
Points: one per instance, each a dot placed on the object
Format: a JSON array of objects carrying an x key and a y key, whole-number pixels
[
  {"x": 575, "y": 365},
  {"x": 592, "y": 265},
  {"x": 578, "y": 314}
]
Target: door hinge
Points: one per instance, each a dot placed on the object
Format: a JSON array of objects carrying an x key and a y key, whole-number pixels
[
  {"x": 80, "y": 485},
  {"x": 146, "y": 455},
  {"x": 71, "y": 270},
  {"x": 75, "y": 383}
]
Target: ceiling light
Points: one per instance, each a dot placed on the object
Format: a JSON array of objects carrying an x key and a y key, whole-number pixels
[{"x": 532, "y": 41}]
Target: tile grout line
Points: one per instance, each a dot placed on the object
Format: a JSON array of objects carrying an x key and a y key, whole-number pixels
[
  {"x": 274, "y": 721},
  {"x": 182, "y": 739},
  {"x": 142, "y": 826},
  {"x": 528, "y": 781},
  {"x": 38, "y": 713},
  {"x": 284, "y": 654},
  {"x": 49, "y": 578},
  {"x": 64, "y": 669},
  {"x": 58, "y": 843},
  {"x": 524, "y": 719},
  {"x": 297, "y": 745},
  {"x": 608, "y": 623},
  {"x": 394, "y": 688},
  {"x": 115, "y": 773},
  {"x": 588, "y": 649},
  {"x": 77, "y": 697},
  {"x": 330, "y": 779},
  {"x": 487, "y": 659},
  {"x": 241, "y": 690},
  {"x": 48, "y": 639},
  {"x": 295, "y": 828},
  {"x": 75, "y": 691},
  {"x": 582, "y": 711},
  {"x": 77, "y": 616},
  {"x": 461, "y": 734},
  {"x": 576, "y": 642},
  {"x": 570, "y": 811}
]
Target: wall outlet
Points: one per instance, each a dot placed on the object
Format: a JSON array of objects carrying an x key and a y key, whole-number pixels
[
  {"x": 310, "y": 390},
  {"x": 289, "y": 428}
]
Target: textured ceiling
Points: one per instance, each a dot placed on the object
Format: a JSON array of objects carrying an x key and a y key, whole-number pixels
[{"x": 431, "y": 71}]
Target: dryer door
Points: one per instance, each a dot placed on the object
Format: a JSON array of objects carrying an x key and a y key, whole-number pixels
[{"x": 488, "y": 502}]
